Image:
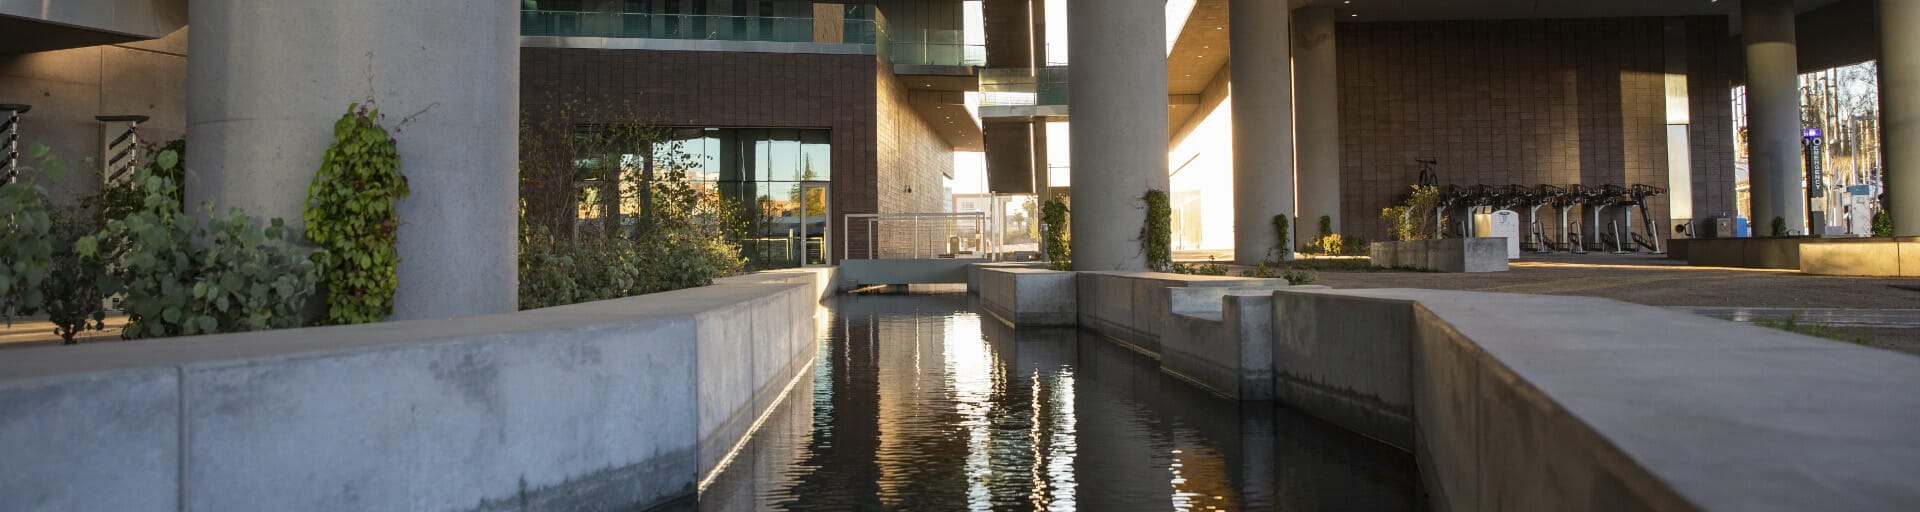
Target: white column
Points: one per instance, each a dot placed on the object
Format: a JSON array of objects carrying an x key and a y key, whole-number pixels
[
  {"x": 1119, "y": 128},
  {"x": 268, "y": 78},
  {"x": 1773, "y": 113},
  {"x": 1263, "y": 182},
  {"x": 1900, "y": 111},
  {"x": 1318, "y": 83}
]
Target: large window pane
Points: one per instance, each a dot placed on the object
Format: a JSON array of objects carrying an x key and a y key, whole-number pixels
[{"x": 816, "y": 156}]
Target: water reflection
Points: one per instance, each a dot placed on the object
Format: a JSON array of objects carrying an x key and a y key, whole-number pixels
[{"x": 918, "y": 403}]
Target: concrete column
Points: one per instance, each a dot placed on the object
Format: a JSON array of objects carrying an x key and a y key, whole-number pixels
[
  {"x": 1119, "y": 105},
  {"x": 1900, "y": 112},
  {"x": 1319, "y": 118},
  {"x": 1773, "y": 113},
  {"x": 1263, "y": 181},
  {"x": 268, "y": 78}
]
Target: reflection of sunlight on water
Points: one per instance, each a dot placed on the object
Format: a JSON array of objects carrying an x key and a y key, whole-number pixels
[
  {"x": 1062, "y": 446},
  {"x": 971, "y": 367},
  {"x": 1200, "y": 480}
]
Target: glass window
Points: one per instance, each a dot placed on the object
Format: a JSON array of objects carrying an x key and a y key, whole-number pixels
[
  {"x": 783, "y": 155},
  {"x": 816, "y": 156}
]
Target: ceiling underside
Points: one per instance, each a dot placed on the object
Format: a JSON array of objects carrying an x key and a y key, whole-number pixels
[{"x": 1428, "y": 10}]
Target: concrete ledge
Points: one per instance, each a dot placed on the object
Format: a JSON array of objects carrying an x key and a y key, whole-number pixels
[
  {"x": 857, "y": 273},
  {"x": 1221, "y": 339},
  {"x": 1130, "y": 307},
  {"x": 1444, "y": 255},
  {"x": 617, "y": 404},
  {"x": 1871, "y": 257},
  {"x": 1531, "y": 402},
  {"x": 973, "y": 271},
  {"x": 1028, "y": 297},
  {"x": 1344, "y": 359}
]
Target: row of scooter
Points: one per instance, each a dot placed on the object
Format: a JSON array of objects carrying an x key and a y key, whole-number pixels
[{"x": 1616, "y": 237}]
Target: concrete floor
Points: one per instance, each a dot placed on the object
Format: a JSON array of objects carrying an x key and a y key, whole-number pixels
[{"x": 1881, "y": 311}]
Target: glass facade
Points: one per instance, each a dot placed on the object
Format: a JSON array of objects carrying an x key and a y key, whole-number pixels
[
  {"x": 778, "y": 177},
  {"x": 789, "y": 22}
]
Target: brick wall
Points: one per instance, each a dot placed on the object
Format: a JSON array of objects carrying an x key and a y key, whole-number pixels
[
  {"x": 911, "y": 156},
  {"x": 727, "y": 89},
  {"x": 1510, "y": 102},
  {"x": 1711, "y": 73}
]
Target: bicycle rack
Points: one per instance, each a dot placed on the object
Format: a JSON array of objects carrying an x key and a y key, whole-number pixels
[
  {"x": 125, "y": 149},
  {"x": 10, "y": 152}
]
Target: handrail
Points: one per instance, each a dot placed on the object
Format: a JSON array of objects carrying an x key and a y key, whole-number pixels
[{"x": 959, "y": 232}]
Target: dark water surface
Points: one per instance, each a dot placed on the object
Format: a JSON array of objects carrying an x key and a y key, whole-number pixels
[{"x": 917, "y": 402}]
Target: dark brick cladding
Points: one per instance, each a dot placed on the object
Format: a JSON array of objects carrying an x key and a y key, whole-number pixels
[
  {"x": 1522, "y": 102},
  {"x": 730, "y": 89}
]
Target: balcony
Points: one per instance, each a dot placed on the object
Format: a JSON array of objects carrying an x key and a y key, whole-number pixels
[{"x": 858, "y": 25}]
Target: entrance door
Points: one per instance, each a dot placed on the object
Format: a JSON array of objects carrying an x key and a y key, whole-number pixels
[{"x": 816, "y": 224}]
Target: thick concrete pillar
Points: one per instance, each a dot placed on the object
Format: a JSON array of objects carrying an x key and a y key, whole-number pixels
[
  {"x": 1119, "y": 131},
  {"x": 1318, "y": 115},
  {"x": 1900, "y": 111},
  {"x": 1773, "y": 113},
  {"x": 268, "y": 78},
  {"x": 1263, "y": 181}
]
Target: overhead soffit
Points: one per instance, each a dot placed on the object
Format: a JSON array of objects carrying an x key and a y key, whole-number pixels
[{"x": 1434, "y": 10}]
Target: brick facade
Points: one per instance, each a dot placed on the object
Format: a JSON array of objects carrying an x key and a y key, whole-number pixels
[
  {"x": 875, "y": 156},
  {"x": 1519, "y": 102},
  {"x": 914, "y": 162}
]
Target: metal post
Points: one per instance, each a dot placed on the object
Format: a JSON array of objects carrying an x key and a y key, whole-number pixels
[
  {"x": 11, "y": 165},
  {"x": 128, "y": 144}
]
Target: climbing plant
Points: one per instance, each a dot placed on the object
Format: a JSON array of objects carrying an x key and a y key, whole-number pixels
[
  {"x": 1282, "y": 249},
  {"x": 351, "y": 214},
  {"x": 1054, "y": 215},
  {"x": 1882, "y": 224},
  {"x": 1779, "y": 226},
  {"x": 1156, "y": 234},
  {"x": 26, "y": 242}
]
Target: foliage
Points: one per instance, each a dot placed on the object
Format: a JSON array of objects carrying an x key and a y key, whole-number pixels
[
  {"x": 1882, "y": 224},
  {"x": 1410, "y": 219},
  {"x": 1282, "y": 249},
  {"x": 1211, "y": 268},
  {"x": 184, "y": 276},
  {"x": 1271, "y": 269},
  {"x": 26, "y": 241},
  {"x": 1792, "y": 324},
  {"x": 1059, "y": 251},
  {"x": 77, "y": 290},
  {"x": 116, "y": 200},
  {"x": 1156, "y": 233},
  {"x": 1779, "y": 226},
  {"x": 351, "y": 214}
]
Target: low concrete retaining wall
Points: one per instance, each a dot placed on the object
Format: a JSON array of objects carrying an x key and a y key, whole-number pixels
[
  {"x": 1029, "y": 297},
  {"x": 1221, "y": 339},
  {"x": 1867, "y": 257},
  {"x": 1444, "y": 255},
  {"x": 973, "y": 271},
  {"x": 1530, "y": 402},
  {"x": 1132, "y": 306},
  {"x": 857, "y": 273},
  {"x": 609, "y": 405}
]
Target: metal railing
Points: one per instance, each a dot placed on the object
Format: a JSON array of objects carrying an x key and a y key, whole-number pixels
[
  {"x": 934, "y": 48},
  {"x": 669, "y": 26},
  {"x": 1023, "y": 86},
  {"x": 10, "y": 145},
  {"x": 916, "y": 236}
]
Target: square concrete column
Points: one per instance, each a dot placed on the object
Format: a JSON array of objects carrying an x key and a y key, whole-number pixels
[
  {"x": 1119, "y": 131},
  {"x": 268, "y": 78},
  {"x": 1263, "y": 181},
  {"x": 1900, "y": 111},
  {"x": 1318, "y": 114},
  {"x": 1773, "y": 113}
]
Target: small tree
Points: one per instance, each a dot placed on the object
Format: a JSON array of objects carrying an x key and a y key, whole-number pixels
[
  {"x": 1411, "y": 219},
  {"x": 1156, "y": 232},
  {"x": 1056, "y": 238}
]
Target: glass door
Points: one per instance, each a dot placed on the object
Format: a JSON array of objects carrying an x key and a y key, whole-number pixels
[{"x": 816, "y": 224}]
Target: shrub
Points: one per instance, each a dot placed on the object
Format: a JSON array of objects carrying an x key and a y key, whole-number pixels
[
  {"x": 1271, "y": 269},
  {"x": 1779, "y": 226},
  {"x": 26, "y": 238},
  {"x": 1210, "y": 268},
  {"x": 1411, "y": 220},
  {"x": 1059, "y": 251},
  {"x": 1156, "y": 232},
  {"x": 77, "y": 290},
  {"x": 184, "y": 276},
  {"x": 1282, "y": 239},
  {"x": 1882, "y": 223},
  {"x": 351, "y": 213}
]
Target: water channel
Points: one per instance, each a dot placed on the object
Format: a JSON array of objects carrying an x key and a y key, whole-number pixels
[{"x": 922, "y": 402}]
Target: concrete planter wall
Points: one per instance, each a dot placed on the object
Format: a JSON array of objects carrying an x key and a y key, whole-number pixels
[
  {"x": 1873, "y": 257},
  {"x": 1132, "y": 306},
  {"x": 1029, "y": 297},
  {"x": 1444, "y": 255},
  {"x": 619, "y": 404},
  {"x": 1221, "y": 339}
]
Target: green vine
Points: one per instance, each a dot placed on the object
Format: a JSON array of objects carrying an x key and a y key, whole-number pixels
[
  {"x": 1779, "y": 226},
  {"x": 1156, "y": 234},
  {"x": 1882, "y": 224},
  {"x": 1282, "y": 242},
  {"x": 351, "y": 213},
  {"x": 1057, "y": 239}
]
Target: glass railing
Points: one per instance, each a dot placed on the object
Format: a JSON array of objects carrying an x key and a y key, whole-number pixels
[
  {"x": 934, "y": 48},
  {"x": 1023, "y": 87}
]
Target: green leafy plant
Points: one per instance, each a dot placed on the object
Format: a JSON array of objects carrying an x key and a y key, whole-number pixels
[
  {"x": 351, "y": 212},
  {"x": 183, "y": 276},
  {"x": 1272, "y": 270},
  {"x": 1779, "y": 226},
  {"x": 116, "y": 200},
  {"x": 1282, "y": 249},
  {"x": 1156, "y": 232},
  {"x": 1412, "y": 219},
  {"x": 1882, "y": 224},
  {"x": 26, "y": 238},
  {"x": 77, "y": 290},
  {"x": 1057, "y": 240},
  {"x": 1211, "y": 268}
]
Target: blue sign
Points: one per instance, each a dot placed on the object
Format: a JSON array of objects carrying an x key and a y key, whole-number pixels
[
  {"x": 1860, "y": 190},
  {"x": 1811, "y": 133}
]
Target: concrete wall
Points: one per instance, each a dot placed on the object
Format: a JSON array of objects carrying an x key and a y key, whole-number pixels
[
  {"x": 1878, "y": 257},
  {"x": 1445, "y": 255},
  {"x": 1221, "y": 339},
  {"x": 858, "y": 273},
  {"x": 67, "y": 88},
  {"x": 1131, "y": 307},
  {"x": 1029, "y": 297},
  {"x": 609, "y": 405},
  {"x": 913, "y": 163},
  {"x": 1529, "y": 402}
]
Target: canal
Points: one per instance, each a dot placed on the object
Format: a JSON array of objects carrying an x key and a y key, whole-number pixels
[{"x": 922, "y": 402}]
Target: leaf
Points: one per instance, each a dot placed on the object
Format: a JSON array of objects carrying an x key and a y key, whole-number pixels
[{"x": 167, "y": 160}]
